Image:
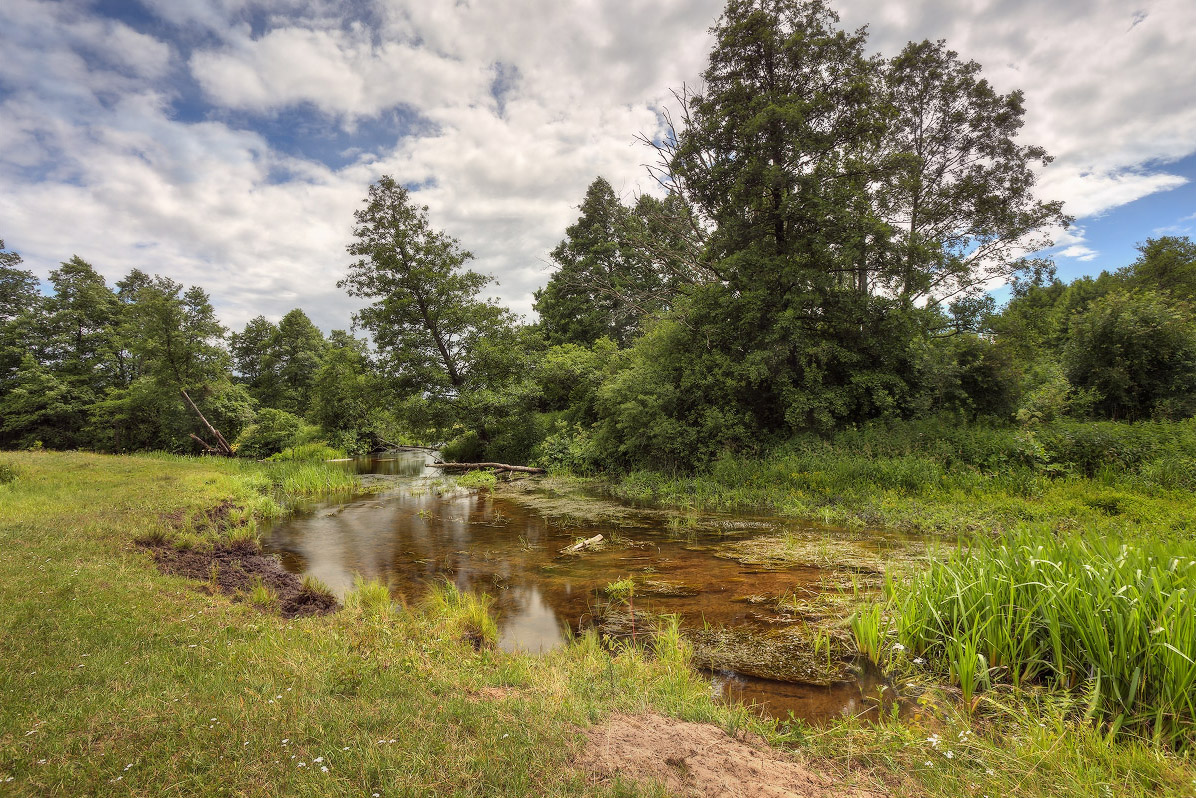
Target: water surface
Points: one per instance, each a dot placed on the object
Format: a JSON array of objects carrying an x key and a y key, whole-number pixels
[{"x": 411, "y": 535}]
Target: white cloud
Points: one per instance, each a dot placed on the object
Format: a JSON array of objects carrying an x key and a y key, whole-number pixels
[
  {"x": 95, "y": 162},
  {"x": 1079, "y": 252}
]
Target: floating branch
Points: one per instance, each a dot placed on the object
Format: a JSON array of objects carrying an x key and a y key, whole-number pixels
[{"x": 492, "y": 466}]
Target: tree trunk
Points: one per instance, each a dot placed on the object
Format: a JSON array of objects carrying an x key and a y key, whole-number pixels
[{"x": 494, "y": 466}]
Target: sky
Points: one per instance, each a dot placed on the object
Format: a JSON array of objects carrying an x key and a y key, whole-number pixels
[{"x": 226, "y": 143}]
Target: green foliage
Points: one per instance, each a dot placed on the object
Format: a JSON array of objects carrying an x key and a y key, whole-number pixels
[
  {"x": 476, "y": 480},
  {"x": 8, "y": 474},
  {"x": 465, "y": 448},
  {"x": 1119, "y": 620},
  {"x": 607, "y": 282},
  {"x": 1167, "y": 265},
  {"x": 1137, "y": 354},
  {"x": 270, "y": 433},
  {"x": 317, "y": 450}
]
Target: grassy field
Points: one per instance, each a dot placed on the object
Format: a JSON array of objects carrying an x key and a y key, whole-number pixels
[
  {"x": 118, "y": 680},
  {"x": 1121, "y": 480}
]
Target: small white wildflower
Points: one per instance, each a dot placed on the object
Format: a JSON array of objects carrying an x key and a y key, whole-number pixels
[
  {"x": 346, "y": 748},
  {"x": 950, "y": 755},
  {"x": 128, "y": 766},
  {"x": 505, "y": 736},
  {"x": 41, "y": 761},
  {"x": 323, "y": 769},
  {"x": 318, "y": 760},
  {"x": 898, "y": 647},
  {"x": 928, "y": 763},
  {"x": 286, "y": 740},
  {"x": 302, "y": 764},
  {"x": 919, "y": 661}
]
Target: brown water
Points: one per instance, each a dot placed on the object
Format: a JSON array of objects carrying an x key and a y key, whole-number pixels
[{"x": 410, "y": 535}]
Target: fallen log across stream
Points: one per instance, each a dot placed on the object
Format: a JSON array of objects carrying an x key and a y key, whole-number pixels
[{"x": 491, "y": 466}]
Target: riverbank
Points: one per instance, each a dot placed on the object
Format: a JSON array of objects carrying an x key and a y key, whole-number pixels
[{"x": 119, "y": 679}]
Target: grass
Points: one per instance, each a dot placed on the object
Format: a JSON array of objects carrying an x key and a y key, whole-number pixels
[
  {"x": 317, "y": 450},
  {"x": 1108, "y": 479},
  {"x": 116, "y": 679},
  {"x": 1115, "y": 621},
  {"x": 476, "y": 480}
]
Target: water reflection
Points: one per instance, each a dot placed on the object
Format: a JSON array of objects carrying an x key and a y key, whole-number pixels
[{"x": 410, "y": 536}]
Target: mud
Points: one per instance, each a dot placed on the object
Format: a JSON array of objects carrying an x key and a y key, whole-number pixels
[
  {"x": 695, "y": 759},
  {"x": 238, "y": 569}
]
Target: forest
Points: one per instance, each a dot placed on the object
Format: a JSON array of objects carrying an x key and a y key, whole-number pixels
[{"x": 798, "y": 319}]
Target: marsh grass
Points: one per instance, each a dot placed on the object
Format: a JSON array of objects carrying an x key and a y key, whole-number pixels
[
  {"x": 370, "y": 598},
  {"x": 466, "y": 615},
  {"x": 1115, "y": 619},
  {"x": 262, "y": 597},
  {"x": 954, "y": 478},
  {"x": 317, "y": 450},
  {"x": 476, "y": 480}
]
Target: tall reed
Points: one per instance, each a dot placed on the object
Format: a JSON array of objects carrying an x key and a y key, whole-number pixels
[{"x": 1067, "y": 612}]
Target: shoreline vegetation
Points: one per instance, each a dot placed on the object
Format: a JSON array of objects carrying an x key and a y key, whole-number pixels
[{"x": 400, "y": 699}]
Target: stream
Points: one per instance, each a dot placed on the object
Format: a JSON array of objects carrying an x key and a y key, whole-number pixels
[{"x": 767, "y": 624}]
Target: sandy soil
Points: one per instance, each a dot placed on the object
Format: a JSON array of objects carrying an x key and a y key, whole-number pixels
[{"x": 696, "y": 759}]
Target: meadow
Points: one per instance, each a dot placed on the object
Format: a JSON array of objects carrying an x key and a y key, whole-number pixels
[{"x": 116, "y": 679}]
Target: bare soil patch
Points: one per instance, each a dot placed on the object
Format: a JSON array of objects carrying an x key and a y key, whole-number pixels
[
  {"x": 238, "y": 568},
  {"x": 697, "y": 759}
]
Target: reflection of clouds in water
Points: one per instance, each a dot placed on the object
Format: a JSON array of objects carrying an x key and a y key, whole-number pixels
[
  {"x": 533, "y": 626},
  {"x": 413, "y": 536}
]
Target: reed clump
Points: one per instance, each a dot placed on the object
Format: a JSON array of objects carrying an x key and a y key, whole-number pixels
[{"x": 1114, "y": 620}]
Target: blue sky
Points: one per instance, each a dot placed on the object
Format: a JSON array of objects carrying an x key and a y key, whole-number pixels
[{"x": 226, "y": 143}]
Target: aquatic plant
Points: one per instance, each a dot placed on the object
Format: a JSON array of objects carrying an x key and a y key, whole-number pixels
[
  {"x": 370, "y": 597},
  {"x": 1067, "y": 612},
  {"x": 467, "y": 614}
]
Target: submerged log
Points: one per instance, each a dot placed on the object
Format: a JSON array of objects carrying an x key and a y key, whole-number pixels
[
  {"x": 582, "y": 544},
  {"x": 492, "y": 466}
]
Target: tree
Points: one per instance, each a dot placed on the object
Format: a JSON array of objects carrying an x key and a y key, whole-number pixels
[
  {"x": 83, "y": 319},
  {"x": 616, "y": 267},
  {"x": 426, "y": 319},
  {"x": 250, "y": 350},
  {"x": 296, "y": 353},
  {"x": 21, "y": 323},
  {"x": 958, "y": 192},
  {"x": 1166, "y": 264},
  {"x": 1136, "y": 353}
]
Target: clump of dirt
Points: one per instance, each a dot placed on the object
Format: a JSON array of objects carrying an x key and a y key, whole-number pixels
[
  {"x": 701, "y": 760},
  {"x": 238, "y": 567}
]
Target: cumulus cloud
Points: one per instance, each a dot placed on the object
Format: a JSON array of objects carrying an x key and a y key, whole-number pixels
[{"x": 508, "y": 111}]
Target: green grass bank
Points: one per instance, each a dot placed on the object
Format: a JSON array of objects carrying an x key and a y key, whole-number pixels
[{"x": 116, "y": 679}]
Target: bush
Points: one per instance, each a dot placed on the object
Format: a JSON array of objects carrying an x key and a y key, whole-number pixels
[
  {"x": 465, "y": 448},
  {"x": 270, "y": 433},
  {"x": 1137, "y": 353}
]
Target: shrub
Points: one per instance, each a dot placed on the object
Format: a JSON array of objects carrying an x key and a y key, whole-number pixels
[{"x": 270, "y": 433}]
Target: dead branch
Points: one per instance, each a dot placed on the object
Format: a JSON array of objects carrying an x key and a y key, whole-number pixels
[
  {"x": 493, "y": 466},
  {"x": 221, "y": 447}
]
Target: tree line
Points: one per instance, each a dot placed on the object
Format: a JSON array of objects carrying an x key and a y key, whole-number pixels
[{"x": 817, "y": 257}]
